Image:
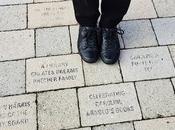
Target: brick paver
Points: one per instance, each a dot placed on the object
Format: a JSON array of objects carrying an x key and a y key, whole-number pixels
[{"x": 44, "y": 84}]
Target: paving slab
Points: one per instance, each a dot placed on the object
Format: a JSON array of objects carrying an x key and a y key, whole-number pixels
[
  {"x": 156, "y": 124},
  {"x": 16, "y": 45},
  {"x": 12, "y": 77},
  {"x": 164, "y": 29},
  {"x": 108, "y": 104},
  {"x": 9, "y": 2},
  {"x": 138, "y": 33},
  {"x": 140, "y": 9},
  {"x": 58, "y": 110},
  {"x": 16, "y": 17},
  {"x": 51, "y": 14},
  {"x": 119, "y": 126},
  {"x": 54, "y": 73},
  {"x": 52, "y": 41},
  {"x": 165, "y": 8},
  {"x": 18, "y": 112},
  {"x": 100, "y": 73},
  {"x": 157, "y": 98},
  {"x": 146, "y": 63}
]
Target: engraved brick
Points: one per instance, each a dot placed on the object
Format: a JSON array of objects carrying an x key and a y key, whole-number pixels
[
  {"x": 16, "y": 45},
  {"x": 18, "y": 112},
  {"x": 146, "y": 63},
  {"x": 108, "y": 104},
  {"x": 54, "y": 73},
  {"x": 58, "y": 110},
  {"x": 51, "y": 14}
]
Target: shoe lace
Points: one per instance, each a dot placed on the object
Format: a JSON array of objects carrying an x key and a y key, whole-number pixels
[
  {"x": 91, "y": 37},
  {"x": 112, "y": 33}
]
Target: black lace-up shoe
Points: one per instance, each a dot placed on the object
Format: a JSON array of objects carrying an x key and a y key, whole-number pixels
[
  {"x": 110, "y": 46},
  {"x": 88, "y": 44}
]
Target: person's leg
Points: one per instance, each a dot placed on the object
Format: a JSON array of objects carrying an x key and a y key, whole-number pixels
[
  {"x": 86, "y": 12},
  {"x": 113, "y": 12}
]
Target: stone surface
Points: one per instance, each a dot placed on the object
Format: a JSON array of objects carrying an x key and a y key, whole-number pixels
[
  {"x": 58, "y": 110},
  {"x": 121, "y": 126},
  {"x": 54, "y": 73},
  {"x": 16, "y": 45},
  {"x": 16, "y": 17},
  {"x": 74, "y": 38},
  {"x": 7, "y": 2},
  {"x": 157, "y": 98},
  {"x": 146, "y": 63},
  {"x": 165, "y": 7},
  {"x": 18, "y": 112},
  {"x": 108, "y": 104},
  {"x": 140, "y": 9},
  {"x": 51, "y": 14},
  {"x": 100, "y": 73},
  {"x": 57, "y": 41},
  {"x": 160, "y": 25},
  {"x": 156, "y": 124},
  {"x": 138, "y": 33},
  {"x": 12, "y": 77}
]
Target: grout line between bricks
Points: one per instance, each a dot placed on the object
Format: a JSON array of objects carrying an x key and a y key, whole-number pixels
[
  {"x": 35, "y": 42},
  {"x": 78, "y": 104},
  {"x": 155, "y": 8},
  {"x": 133, "y": 125},
  {"x": 120, "y": 69},
  {"x": 27, "y": 16},
  {"x": 37, "y": 123},
  {"x": 77, "y": 24},
  {"x": 38, "y": 57},
  {"x": 70, "y": 38},
  {"x": 96, "y": 85},
  {"x": 84, "y": 76},
  {"x": 172, "y": 85},
  {"x": 25, "y": 77},
  {"x": 171, "y": 56},
  {"x": 154, "y": 33},
  {"x": 138, "y": 101}
]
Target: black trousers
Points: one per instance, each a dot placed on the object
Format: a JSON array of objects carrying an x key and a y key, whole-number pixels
[{"x": 87, "y": 12}]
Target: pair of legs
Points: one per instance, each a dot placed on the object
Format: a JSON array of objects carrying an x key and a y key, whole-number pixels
[
  {"x": 103, "y": 43},
  {"x": 87, "y": 12}
]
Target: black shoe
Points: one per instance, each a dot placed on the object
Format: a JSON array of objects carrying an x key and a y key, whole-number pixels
[
  {"x": 110, "y": 46},
  {"x": 88, "y": 44}
]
